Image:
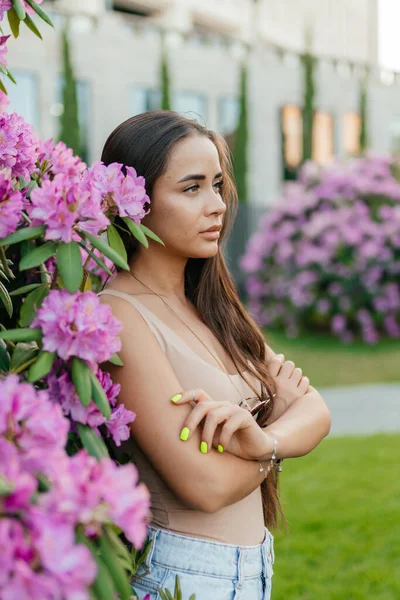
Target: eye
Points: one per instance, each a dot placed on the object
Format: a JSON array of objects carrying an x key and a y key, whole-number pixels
[
  {"x": 192, "y": 188},
  {"x": 219, "y": 185}
]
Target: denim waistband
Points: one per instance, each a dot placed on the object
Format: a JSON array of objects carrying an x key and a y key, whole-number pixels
[{"x": 202, "y": 556}]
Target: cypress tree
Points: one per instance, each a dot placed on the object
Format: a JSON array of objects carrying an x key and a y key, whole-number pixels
[
  {"x": 364, "y": 116},
  {"x": 240, "y": 159},
  {"x": 308, "y": 61},
  {"x": 69, "y": 120},
  {"x": 165, "y": 84}
]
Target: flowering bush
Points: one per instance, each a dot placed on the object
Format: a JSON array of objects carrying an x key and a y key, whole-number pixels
[
  {"x": 67, "y": 509},
  {"x": 328, "y": 255}
]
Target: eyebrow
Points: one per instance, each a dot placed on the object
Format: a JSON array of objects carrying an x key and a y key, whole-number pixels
[{"x": 197, "y": 177}]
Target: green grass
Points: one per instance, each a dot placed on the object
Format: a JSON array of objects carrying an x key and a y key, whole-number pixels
[
  {"x": 328, "y": 362},
  {"x": 343, "y": 538}
]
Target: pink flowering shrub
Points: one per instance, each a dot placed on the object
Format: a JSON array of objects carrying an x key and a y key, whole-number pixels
[
  {"x": 68, "y": 511},
  {"x": 41, "y": 556},
  {"x": 328, "y": 255}
]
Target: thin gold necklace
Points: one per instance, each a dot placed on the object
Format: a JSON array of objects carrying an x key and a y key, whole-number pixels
[{"x": 243, "y": 401}]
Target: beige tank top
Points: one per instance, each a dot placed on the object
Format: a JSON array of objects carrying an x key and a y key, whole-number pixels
[{"x": 240, "y": 523}]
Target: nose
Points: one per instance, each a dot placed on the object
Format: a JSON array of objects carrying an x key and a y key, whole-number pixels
[{"x": 215, "y": 204}]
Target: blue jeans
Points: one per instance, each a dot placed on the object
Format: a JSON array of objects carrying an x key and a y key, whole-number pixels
[{"x": 210, "y": 570}]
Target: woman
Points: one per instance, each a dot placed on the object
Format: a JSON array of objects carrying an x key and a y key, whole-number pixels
[{"x": 215, "y": 406}]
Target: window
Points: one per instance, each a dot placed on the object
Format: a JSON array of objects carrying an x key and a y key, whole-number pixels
[
  {"x": 228, "y": 118},
  {"x": 292, "y": 140},
  {"x": 83, "y": 97},
  {"x": 351, "y": 133},
  {"x": 145, "y": 99},
  {"x": 323, "y": 137},
  {"x": 191, "y": 105},
  {"x": 24, "y": 96}
]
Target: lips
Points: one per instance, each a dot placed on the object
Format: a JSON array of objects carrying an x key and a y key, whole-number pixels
[{"x": 213, "y": 228}]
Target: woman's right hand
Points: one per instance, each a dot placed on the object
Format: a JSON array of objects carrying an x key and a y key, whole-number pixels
[{"x": 289, "y": 380}]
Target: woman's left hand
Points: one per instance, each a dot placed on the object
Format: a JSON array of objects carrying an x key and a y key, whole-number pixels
[{"x": 227, "y": 425}]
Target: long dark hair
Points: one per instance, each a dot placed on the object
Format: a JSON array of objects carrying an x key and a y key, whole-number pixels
[{"x": 144, "y": 142}]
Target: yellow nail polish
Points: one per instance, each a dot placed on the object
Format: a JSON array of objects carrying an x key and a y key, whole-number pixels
[
  {"x": 176, "y": 398},
  {"x": 204, "y": 447},
  {"x": 184, "y": 434},
  {"x": 220, "y": 448}
]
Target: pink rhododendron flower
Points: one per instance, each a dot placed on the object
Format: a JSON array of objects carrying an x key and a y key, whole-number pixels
[
  {"x": 94, "y": 492},
  {"x": 78, "y": 325},
  {"x": 61, "y": 160},
  {"x": 121, "y": 194},
  {"x": 5, "y": 6},
  {"x": 71, "y": 565},
  {"x": 40, "y": 558},
  {"x": 331, "y": 242},
  {"x": 21, "y": 485},
  {"x": 3, "y": 48},
  {"x": 4, "y": 102},
  {"x": 18, "y": 145},
  {"x": 41, "y": 441},
  {"x": 65, "y": 206},
  {"x": 10, "y": 207},
  {"x": 62, "y": 390}
]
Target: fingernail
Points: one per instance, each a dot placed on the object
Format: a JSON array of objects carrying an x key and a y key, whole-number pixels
[
  {"x": 220, "y": 448},
  {"x": 184, "y": 434},
  {"x": 176, "y": 398},
  {"x": 204, "y": 447}
]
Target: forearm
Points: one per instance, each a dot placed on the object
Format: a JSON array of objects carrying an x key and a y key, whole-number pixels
[
  {"x": 301, "y": 427},
  {"x": 298, "y": 431},
  {"x": 236, "y": 480}
]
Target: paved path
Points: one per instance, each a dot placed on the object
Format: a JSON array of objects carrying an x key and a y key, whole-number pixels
[{"x": 364, "y": 409}]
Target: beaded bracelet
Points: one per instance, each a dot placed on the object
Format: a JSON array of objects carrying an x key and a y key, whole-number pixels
[{"x": 271, "y": 462}]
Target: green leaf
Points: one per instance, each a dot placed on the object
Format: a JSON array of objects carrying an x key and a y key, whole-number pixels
[
  {"x": 117, "y": 572},
  {"x": 38, "y": 255},
  {"x": 115, "y": 241},
  {"x": 151, "y": 234},
  {"x": 3, "y": 88},
  {"x": 22, "y": 354},
  {"x": 25, "y": 288},
  {"x": 80, "y": 374},
  {"x": 143, "y": 555},
  {"x": 25, "y": 233},
  {"x": 25, "y": 334},
  {"x": 136, "y": 231},
  {"x": 19, "y": 9},
  {"x": 102, "y": 586},
  {"x": 162, "y": 595},
  {"x": 177, "y": 591},
  {"x": 115, "y": 360},
  {"x": 93, "y": 444},
  {"x": 31, "y": 305},
  {"x": 69, "y": 263},
  {"x": 10, "y": 76},
  {"x": 192, "y": 597},
  {"x": 5, "y": 264},
  {"x": 6, "y": 300},
  {"x": 14, "y": 21},
  {"x": 99, "y": 396},
  {"x": 97, "y": 260},
  {"x": 105, "y": 249},
  {"x": 31, "y": 25},
  {"x": 42, "y": 366},
  {"x": 39, "y": 11},
  {"x": 4, "y": 357},
  {"x": 120, "y": 549}
]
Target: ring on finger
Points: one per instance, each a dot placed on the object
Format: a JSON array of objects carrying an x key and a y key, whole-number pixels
[{"x": 193, "y": 395}]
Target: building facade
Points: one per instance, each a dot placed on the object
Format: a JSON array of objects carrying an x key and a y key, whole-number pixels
[{"x": 116, "y": 50}]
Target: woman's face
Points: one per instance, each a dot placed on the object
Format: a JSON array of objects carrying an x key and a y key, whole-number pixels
[{"x": 187, "y": 199}]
